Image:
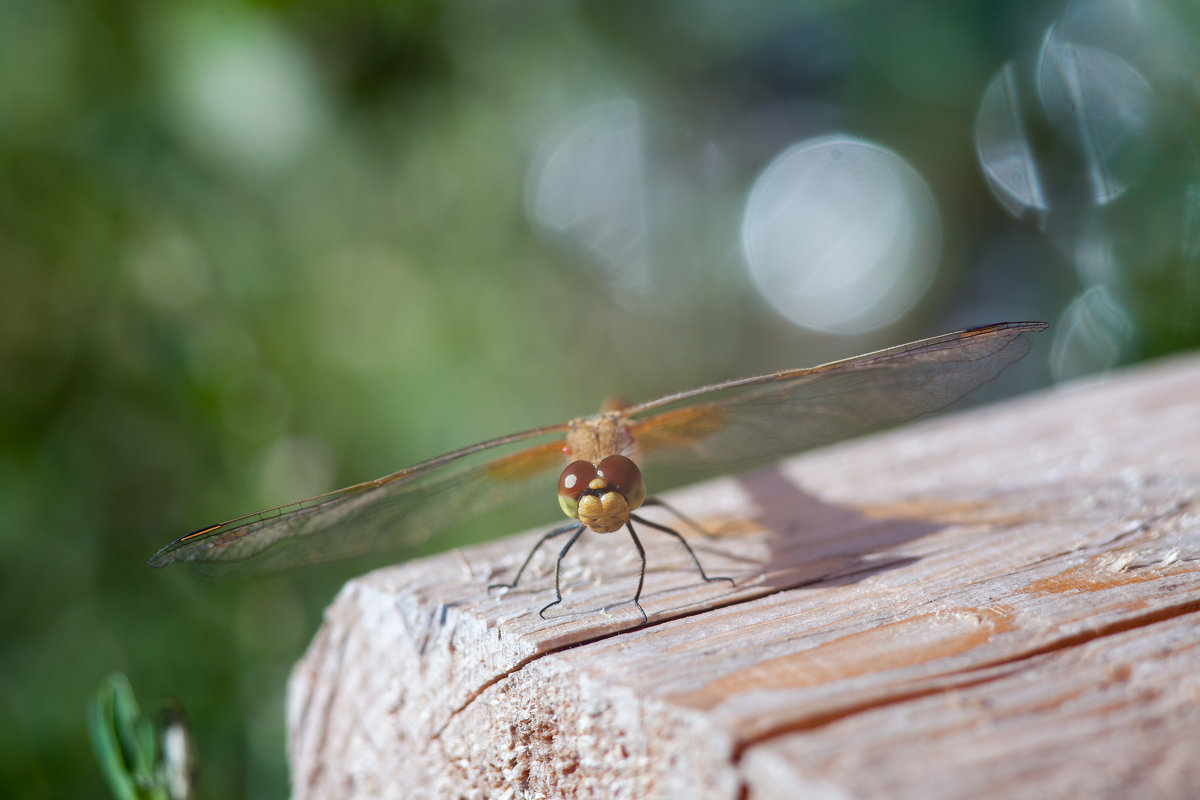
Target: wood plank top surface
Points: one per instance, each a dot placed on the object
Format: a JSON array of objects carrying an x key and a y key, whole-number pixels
[{"x": 1000, "y": 602}]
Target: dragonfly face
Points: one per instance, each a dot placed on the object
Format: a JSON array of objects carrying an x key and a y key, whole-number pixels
[{"x": 601, "y": 496}]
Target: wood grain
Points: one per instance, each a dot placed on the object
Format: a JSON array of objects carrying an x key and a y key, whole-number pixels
[{"x": 1002, "y": 602}]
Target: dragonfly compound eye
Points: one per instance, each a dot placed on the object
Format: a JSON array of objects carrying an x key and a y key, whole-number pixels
[
  {"x": 623, "y": 475},
  {"x": 572, "y": 483}
]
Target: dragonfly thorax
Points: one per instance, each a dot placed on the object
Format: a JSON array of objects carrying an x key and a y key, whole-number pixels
[
  {"x": 601, "y": 496},
  {"x": 593, "y": 438}
]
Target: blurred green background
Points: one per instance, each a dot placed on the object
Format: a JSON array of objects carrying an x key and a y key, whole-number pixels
[{"x": 249, "y": 252}]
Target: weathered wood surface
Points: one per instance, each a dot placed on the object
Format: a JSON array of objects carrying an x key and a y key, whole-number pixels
[{"x": 997, "y": 603}]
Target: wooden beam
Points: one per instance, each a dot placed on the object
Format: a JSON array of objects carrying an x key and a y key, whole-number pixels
[{"x": 1002, "y": 602}]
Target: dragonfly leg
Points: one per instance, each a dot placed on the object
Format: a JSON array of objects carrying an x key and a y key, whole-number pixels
[
  {"x": 570, "y": 526},
  {"x": 696, "y": 526},
  {"x": 641, "y": 575},
  {"x": 579, "y": 528},
  {"x": 682, "y": 541}
]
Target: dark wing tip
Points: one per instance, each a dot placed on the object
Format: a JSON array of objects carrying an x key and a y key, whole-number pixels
[
  {"x": 1030, "y": 327},
  {"x": 164, "y": 555}
]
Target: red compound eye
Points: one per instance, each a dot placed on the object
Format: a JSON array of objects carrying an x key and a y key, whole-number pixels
[
  {"x": 572, "y": 483},
  {"x": 575, "y": 479},
  {"x": 624, "y": 476}
]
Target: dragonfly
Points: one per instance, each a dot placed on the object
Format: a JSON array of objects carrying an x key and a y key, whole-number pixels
[{"x": 600, "y": 458}]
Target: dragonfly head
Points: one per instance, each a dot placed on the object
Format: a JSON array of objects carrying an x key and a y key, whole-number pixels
[{"x": 601, "y": 496}]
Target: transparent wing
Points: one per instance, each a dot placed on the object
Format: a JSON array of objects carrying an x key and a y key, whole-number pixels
[
  {"x": 394, "y": 512},
  {"x": 712, "y": 426},
  {"x": 791, "y": 410}
]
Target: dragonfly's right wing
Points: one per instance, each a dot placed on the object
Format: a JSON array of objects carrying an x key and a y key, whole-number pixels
[
  {"x": 784, "y": 412},
  {"x": 390, "y": 514}
]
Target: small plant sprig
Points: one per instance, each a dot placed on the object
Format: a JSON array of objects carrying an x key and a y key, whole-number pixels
[{"x": 140, "y": 760}]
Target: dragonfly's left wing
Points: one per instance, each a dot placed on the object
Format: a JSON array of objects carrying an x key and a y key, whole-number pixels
[
  {"x": 390, "y": 514},
  {"x": 791, "y": 410}
]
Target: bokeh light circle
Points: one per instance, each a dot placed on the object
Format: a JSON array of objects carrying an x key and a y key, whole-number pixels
[{"x": 841, "y": 235}]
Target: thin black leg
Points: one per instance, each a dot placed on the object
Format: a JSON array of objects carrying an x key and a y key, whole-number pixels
[
  {"x": 696, "y": 526},
  {"x": 686, "y": 546},
  {"x": 579, "y": 528},
  {"x": 641, "y": 575},
  {"x": 570, "y": 526}
]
